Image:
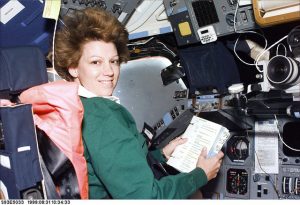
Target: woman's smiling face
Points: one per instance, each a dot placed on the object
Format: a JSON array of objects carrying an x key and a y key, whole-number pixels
[{"x": 98, "y": 68}]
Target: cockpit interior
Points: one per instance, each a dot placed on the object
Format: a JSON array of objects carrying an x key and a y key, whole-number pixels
[{"x": 233, "y": 62}]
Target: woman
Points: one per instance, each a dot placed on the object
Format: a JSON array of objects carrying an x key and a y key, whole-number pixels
[{"x": 89, "y": 51}]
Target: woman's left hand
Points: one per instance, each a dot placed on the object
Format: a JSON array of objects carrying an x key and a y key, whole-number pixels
[{"x": 169, "y": 148}]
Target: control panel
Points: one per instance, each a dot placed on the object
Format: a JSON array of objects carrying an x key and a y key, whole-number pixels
[
  {"x": 238, "y": 177},
  {"x": 237, "y": 181},
  {"x": 122, "y": 9},
  {"x": 188, "y": 16}
]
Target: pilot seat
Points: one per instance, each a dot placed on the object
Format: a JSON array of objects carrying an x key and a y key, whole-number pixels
[{"x": 39, "y": 158}]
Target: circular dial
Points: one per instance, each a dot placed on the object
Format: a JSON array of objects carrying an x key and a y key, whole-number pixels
[
  {"x": 238, "y": 148},
  {"x": 237, "y": 181},
  {"x": 239, "y": 184}
]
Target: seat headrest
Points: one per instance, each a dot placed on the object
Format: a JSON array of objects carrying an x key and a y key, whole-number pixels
[{"x": 21, "y": 68}]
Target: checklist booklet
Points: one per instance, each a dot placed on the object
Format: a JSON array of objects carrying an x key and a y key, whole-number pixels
[{"x": 200, "y": 133}]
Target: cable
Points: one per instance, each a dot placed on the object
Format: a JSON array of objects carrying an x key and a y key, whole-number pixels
[
  {"x": 259, "y": 164},
  {"x": 169, "y": 50},
  {"x": 290, "y": 48},
  {"x": 257, "y": 59},
  {"x": 159, "y": 12},
  {"x": 235, "y": 45},
  {"x": 271, "y": 179},
  {"x": 243, "y": 32},
  {"x": 143, "y": 17},
  {"x": 53, "y": 47},
  {"x": 266, "y": 43},
  {"x": 277, "y": 126},
  {"x": 277, "y": 49},
  {"x": 152, "y": 47},
  {"x": 280, "y": 137},
  {"x": 140, "y": 43}
]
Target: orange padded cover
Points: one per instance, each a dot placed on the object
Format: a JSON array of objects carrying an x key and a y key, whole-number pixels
[{"x": 58, "y": 112}]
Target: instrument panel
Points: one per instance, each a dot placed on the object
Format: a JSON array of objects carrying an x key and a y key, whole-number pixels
[
  {"x": 122, "y": 9},
  {"x": 225, "y": 17},
  {"x": 238, "y": 177},
  {"x": 237, "y": 181}
]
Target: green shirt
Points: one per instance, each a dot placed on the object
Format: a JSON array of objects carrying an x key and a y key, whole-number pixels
[{"x": 116, "y": 158}]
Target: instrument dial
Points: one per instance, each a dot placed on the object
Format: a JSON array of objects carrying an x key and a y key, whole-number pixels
[
  {"x": 237, "y": 181},
  {"x": 238, "y": 148}
]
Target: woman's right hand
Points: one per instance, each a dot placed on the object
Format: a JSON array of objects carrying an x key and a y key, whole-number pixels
[{"x": 211, "y": 166}]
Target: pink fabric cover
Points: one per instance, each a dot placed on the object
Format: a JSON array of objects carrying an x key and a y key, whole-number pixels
[{"x": 58, "y": 111}]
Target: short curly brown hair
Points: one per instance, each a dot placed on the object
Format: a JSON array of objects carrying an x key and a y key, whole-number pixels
[{"x": 84, "y": 26}]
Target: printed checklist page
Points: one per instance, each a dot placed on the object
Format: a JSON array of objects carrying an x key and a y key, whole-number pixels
[{"x": 200, "y": 133}]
